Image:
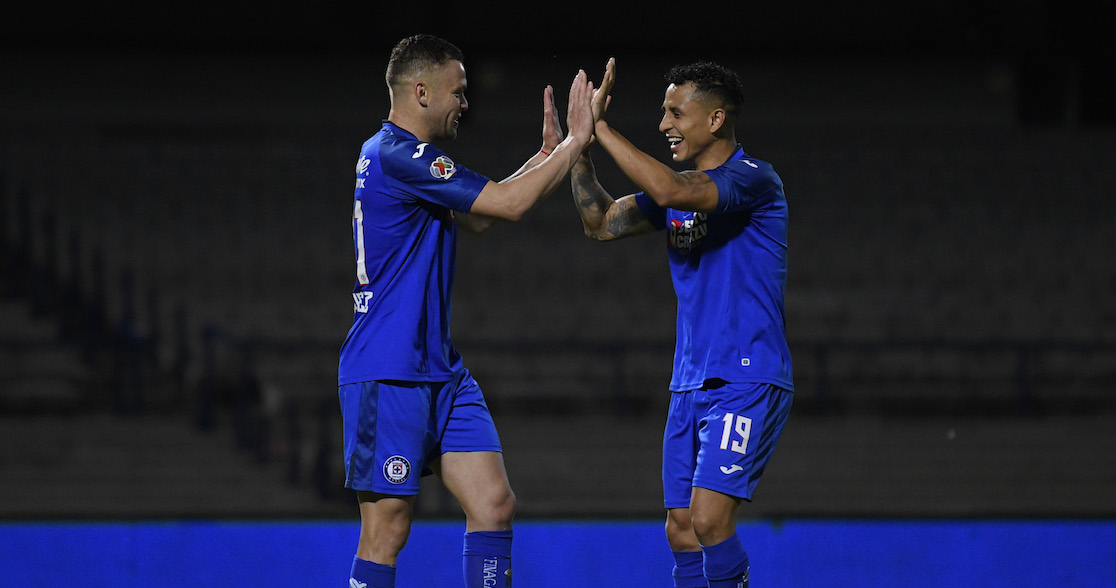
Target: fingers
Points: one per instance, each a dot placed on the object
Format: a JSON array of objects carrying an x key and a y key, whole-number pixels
[
  {"x": 579, "y": 115},
  {"x": 551, "y": 127},
  {"x": 577, "y": 91},
  {"x": 548, "y": 100},
  {"x": 578, "y": 86},
  {"x": 609, "y": 76},
  {"x": 601, "y": 97}
]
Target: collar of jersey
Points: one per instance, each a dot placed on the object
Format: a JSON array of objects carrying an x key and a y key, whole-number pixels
[{"x": 398, "y": 129}]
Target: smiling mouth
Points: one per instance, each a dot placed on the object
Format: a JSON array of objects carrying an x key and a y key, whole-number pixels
[{"x": 674, "y": 142}]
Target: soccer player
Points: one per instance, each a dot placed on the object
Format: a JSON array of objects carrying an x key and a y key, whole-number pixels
[
  {"x": 726, "y": 225},
  {"x": 408, "y": 404}
]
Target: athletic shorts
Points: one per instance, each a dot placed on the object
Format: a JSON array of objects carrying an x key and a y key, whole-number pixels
[
  {"x": 392, "y": 429},
  {"x": 721, "y": 439}
]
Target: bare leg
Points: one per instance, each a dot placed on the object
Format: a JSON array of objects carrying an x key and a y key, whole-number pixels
[
  {"x": 480, "y": 483},
  {"x": 385, "y": 524},
  {"x": 713, "y": 515}
]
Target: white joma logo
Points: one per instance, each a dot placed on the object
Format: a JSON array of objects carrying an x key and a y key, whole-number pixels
[
  {"x": 734, "y": 468},
  {"x": 354, "y": 584},
  {"x": 418, "y": 153}
]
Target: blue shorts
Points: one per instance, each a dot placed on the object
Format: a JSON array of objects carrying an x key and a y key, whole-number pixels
[
  {"x": 721, "y": 439},
  {"x": 392, "y": 429}
]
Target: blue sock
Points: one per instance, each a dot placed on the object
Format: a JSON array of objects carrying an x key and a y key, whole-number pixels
[
  {"x": 726, "y": 564},
  {"x": 366, "y": 574},
  {"x": 487, "y": 559},
  {"x": 688, "y": 572}
]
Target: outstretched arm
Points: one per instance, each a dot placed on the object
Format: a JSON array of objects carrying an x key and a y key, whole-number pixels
[
  {"x": 551, "y": 137},
  {"x": 551, "y": 134},
  {"x": 511, "y": 198},
  {"x": 604, "y": 219},
  {"x": 688, "y": 190}
]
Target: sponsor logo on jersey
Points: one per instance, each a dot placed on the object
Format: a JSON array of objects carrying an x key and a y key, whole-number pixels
[
  {"x": 418, "y": 152},
  {"x": 685, "y": 234},
  {"x": 397, "y": 469},
  {"x": 362, "y": 170},
  {"x": 361, "y": 300},
  {"x": 353, "y": 583},
  {"x": 442, "y": 167}
]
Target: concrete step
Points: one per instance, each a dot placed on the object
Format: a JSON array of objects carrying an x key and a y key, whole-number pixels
[
  {"x": 106, "y": 466},
  {"x": 837, "y": 466}
]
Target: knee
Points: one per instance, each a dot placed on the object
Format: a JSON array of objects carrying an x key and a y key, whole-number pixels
[
  {"x": 712, "y": 528},
  {"x": 496, "y": 511},
  {"x": 503, "y": 508},
  {"x": 385, "y": 525},
  {"x": 680, "y": 532}
]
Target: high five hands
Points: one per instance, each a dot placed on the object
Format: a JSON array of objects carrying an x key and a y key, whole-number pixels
[
  {"x": 602, "y": 96},
  {"x": 579, "y": 116},
  {"x": 587, "y": 106}
]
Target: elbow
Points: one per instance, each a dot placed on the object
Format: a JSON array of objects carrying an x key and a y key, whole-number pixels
[
  {"x": 481, "y": 228},
  {"x": 598, "y": 235},
  {"x": 509, "y": 214},
  {"x": 513, "y": 216}
]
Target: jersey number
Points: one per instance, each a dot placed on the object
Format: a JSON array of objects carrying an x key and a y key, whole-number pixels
[
  {"x": 743, "y": 427},
  {"x": 358, "y": 238}
]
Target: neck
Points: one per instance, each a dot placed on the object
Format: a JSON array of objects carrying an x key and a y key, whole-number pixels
[
  {"x": 409, "y": 123},
  {"x": 716, "y": 154}
]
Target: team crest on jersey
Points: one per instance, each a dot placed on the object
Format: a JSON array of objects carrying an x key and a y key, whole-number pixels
[
  {"x": 442, "y": 167},
  {"x": 397, "y": 469}
]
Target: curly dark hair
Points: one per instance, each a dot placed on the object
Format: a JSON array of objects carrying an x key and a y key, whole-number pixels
[
  {"x": 711, "y": 79},
  {"x": 418, "y": 52}
]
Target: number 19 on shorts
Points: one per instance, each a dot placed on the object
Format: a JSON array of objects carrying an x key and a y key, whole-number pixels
[{"x": 742, "y": 427}]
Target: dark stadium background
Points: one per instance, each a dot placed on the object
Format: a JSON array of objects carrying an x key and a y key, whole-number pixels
[{"x": 175, "y": 184}]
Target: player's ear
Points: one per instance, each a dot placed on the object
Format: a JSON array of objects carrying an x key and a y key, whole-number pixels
[
  {"x": 422, "y": 93},
  {"x": 716, "y": 120}
]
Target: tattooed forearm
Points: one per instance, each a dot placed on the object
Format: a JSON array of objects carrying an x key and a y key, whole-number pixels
[
  {"x": 604, "y": 218},
  {"x": 623, "y": 217},
  {"x": 589, "y": 196}
]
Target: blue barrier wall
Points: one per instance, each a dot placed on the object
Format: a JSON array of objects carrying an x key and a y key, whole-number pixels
[{"x": 798, "y": 553}]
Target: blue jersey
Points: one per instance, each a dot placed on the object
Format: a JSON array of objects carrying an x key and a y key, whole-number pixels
[
  {"x": 729, "y": 268},
  {"x": 405, "y": 241}
]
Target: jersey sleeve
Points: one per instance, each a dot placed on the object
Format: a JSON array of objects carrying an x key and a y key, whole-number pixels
[
  {"x": 423, "y": 171},
  {"x": 654, "y": 213},
  {"x": 743, "y": 185}
]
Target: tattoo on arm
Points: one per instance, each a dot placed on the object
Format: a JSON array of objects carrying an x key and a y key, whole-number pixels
[
  {"x": 693, "y": 178},
  {"x": 603, "y": 217},
  {"x": 591, "y": 199},
  {"x": 625, "y": 218}
]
